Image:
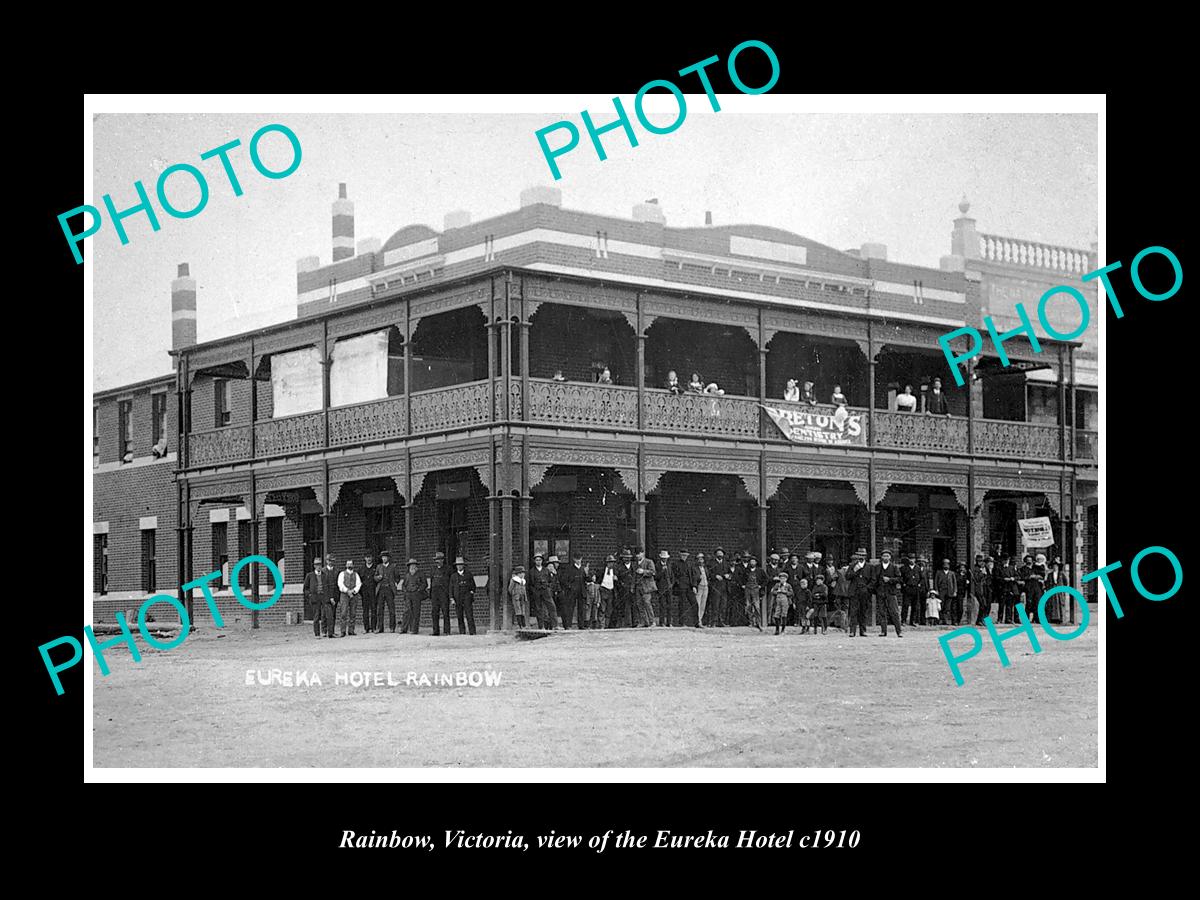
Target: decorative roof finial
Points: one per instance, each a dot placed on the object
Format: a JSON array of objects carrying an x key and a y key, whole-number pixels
[{"x": 963, "y": 205}]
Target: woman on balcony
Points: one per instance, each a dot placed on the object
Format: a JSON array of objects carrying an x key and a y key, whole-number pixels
[
  {"x": 906, "y": 401},
  {"x": 605, "y": 376},
  {"x": 696, "y": 386},
  {"x": 792, "y": 393},
  {"x": 839, "y": 399}
]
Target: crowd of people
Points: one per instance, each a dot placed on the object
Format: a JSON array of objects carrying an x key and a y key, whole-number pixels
[
  {"x": 716, "y": 592},
  {"x": 690, "y": 591},
  {"x": 336, "y": 598},
  {"x": 906, "y": 401}
]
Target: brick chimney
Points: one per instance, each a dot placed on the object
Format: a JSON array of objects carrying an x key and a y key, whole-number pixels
[
  {"x": 343, "y": 226},
  {"x": 183, "y": 309}
]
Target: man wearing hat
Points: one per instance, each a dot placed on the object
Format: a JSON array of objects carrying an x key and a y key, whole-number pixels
[
  {"x": 314, "y": 595},
  {"x": 812, "y": 567},
  {"x": 439, "y": 593},
  {"x": 1005, "y": 578},
  {"x": 387, "y": 576},
  {"x": 666, "y": 586},
  {"x": 945, "y": 582},
  {"x": 349, "y": 587},
  {"x": 541, "y": 597},
  {"x": 887, "y": 590},
  {"x": 1035, "y": 586},
  {"x": 682, "y": 571},
  {"x": 911, "y": 595},
  {"x": 608, "y": 592},
  {"x": 332, "y": 594},
  {"x": 414, "y": 588},
  {"x": 736, "y": 612},
  {"x": 773, "y": 567},
  {"x": 572, "y": 592},
  {"x": 703, "y": 580},
  {"x": 981, "y": 582},
  {"x": 626, "y": 587},
  {"x": 794, "y": 572},
  {"x": 860, "y": 592},
  {"x": 552, "y": 565},
  {"x": 719, "y": 572},
  {"x": 462, "y": 592},
  {"x": 367, "y": 595},
  {"x": 647, "y": 587}
]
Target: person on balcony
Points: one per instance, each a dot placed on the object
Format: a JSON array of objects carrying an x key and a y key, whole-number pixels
[
  {"x": 605, "y": 376},
  {"x": 713, "y": 388},
  {"x": 673, "y": 384},
  {"x": 695, "y": 386},
  {"x": 937, "y": 405},
  {"x": 558, "y": 375},
  {"x": 791, "y": 393},
  {"x": 839, "y": 399},
  {"x": 906, "y": 401},
  {"x": 808, "y": 395}
]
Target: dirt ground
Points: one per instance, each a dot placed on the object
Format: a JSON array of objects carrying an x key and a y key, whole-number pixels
[{"x": 666, "y": 697}]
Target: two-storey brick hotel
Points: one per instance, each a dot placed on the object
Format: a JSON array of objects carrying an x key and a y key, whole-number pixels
[{"x": 438, "y": 392}]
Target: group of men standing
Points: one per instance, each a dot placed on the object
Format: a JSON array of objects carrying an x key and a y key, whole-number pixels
[
  {"x": 335, "y": 597},
  {"x": 702, "y": 592}
]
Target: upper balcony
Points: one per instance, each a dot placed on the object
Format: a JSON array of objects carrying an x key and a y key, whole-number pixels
[{"x": 530, "y": 358}]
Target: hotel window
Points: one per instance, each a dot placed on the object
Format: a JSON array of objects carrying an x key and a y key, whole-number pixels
[
  {"x": 379, "y": 528},
  {"x": 100, "y": 580},
  {"x": 220, "y": 550},
  {"x": 221, "y": 411},
  {"x": 149, "y": 565},
  {"x": 158, "y": 423},
  {"x": 275, "y": 539},
  {"x": 314, "y": 543},
  {"x": 95, "y": 436},
  {"x": 125, "y": 430}
]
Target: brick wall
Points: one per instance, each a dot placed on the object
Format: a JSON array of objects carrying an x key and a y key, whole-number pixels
[
  {"x": 701, "y": 512},
  {"x": 428, "y": 535},
  {"x": 121, "y": 498}
]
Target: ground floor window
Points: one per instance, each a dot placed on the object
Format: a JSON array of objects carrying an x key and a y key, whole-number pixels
[
  {"x": 100, "y": 577},
  {"x": 149, "y": 563}
]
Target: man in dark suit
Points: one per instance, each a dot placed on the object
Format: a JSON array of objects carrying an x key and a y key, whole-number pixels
[
  {"x": 860, "y": 592},
  {"x": 571, "y": 592},
  {"x": 666, "y": 584},
  {"x": 626, "y": 588},
  {"x": 414, "y": 588},
  {"x": 681, "y": 570},
  {"x": 462, "y": 592},
  {"x": 945, "y": 582},
  {"x": 982, "y": 583},
  {"x": 314, "y": 594},
  {"x": 332, "y": 595},
  {"x": 386, "y": 578},
  {"x": 1005, "y": 580},
  {"x": 541, "y": 597},
  {"x": 367, "y": 592},
  {"x": 439, "y": 593},
  {"x": 937, "y": 404},
  {"x": 718, "y": 601},
  {"x": 886, "y": 584},
  {"x": 911, "y": 595}
]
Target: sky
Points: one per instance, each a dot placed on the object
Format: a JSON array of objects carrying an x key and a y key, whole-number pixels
[{"x": 841, "y": 180}]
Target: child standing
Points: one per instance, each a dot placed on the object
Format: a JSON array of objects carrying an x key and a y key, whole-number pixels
[
  {"x": 781, "y": 601},
  {"x": 933, "y": 608},
  {"x": 804, "y": 606},
  {"x": 592, "y": 590},
  {"x": 516, "y": 593},
  {"x": 820, "y": 599}
]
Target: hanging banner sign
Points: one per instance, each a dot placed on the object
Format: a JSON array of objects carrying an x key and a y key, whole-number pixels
[
  {"x": 814, "y": 425},
  {"x": 1036, "y": 532}
]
